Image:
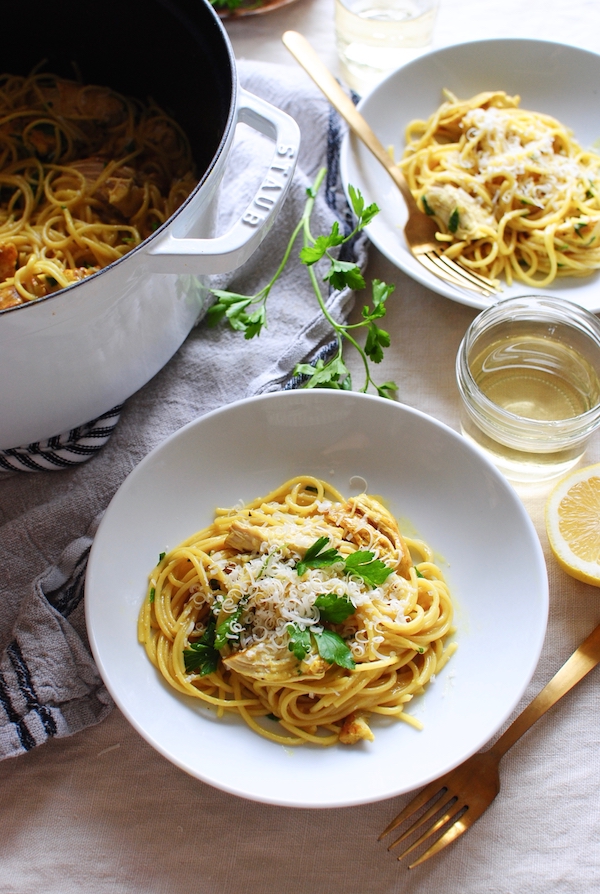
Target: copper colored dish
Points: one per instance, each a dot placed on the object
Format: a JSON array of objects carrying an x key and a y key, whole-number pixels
[{"x": 252, "y": 8}]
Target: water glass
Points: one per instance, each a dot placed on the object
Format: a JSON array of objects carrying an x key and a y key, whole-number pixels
[
  {"x": 376, "y": 36},
  {"x": 528, "y": 373}
]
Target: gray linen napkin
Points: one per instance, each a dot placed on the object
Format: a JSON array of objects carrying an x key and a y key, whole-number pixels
[{"x": 49, "y": 685}]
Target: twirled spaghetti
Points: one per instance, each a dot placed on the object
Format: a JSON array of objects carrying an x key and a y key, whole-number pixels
[
  {"x": 513, "y": 193},
  {"x": 85, "y": 175},
  {"x": 303, "y": 612}
]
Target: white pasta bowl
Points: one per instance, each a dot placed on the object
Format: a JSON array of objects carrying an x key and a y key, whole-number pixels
[
  {"x": 438, "y": 486},
  {"x": 556, "y": 79}
]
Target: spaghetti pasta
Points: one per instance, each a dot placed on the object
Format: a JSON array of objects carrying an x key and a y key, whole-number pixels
[
  {"x": 303, "y": 612},
  {"x": 85, "y": 175},
  {"x": 513, "y": 193}
]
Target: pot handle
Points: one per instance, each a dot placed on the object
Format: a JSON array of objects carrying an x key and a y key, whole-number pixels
[{"x": 174, "y": 254}]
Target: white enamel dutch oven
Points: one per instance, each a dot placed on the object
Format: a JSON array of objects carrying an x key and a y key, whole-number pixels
[{"x": 73, "y": 355}]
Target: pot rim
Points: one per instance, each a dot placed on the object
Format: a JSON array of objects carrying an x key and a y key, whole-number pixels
[{"x": 208, "y": 171}]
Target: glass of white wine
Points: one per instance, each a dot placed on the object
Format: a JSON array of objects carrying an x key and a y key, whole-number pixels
[{"x": 528, "y": 372}]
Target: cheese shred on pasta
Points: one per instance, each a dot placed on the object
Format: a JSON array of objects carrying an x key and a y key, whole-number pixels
[
  {"x": 513, "y": 193},
  {"x": 303, "y": 612}
]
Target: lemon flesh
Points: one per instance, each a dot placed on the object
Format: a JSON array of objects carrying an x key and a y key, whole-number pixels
[{"x": 573, "y": 524}]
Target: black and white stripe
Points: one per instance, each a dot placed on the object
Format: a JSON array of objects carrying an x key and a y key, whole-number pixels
[{"x": 62, "y": 451}]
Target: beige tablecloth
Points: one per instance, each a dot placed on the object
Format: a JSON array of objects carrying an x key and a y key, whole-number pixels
[{"x": 102, "y": 812}]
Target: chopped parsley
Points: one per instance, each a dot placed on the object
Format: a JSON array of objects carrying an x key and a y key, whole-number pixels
[
  {"x": 201, "y": 656},
  {"x": 454, "y": 221},
  {"x": 316, "y": 557},
  {"x": 330, "y": 646},
  {"x": 364, "y": 564},
  {"x": 334, "y": 650},
  {"x": 299, "y": 642},
  {"x": 223, "y": 633},
  {"x": 427, "y": 207},
  {"x": 333, "y": 608}
]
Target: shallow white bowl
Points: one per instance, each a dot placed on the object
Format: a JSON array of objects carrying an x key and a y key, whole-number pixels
[
  {"x": 553, "y": 78},
  {"x": 435, "y": 482}
]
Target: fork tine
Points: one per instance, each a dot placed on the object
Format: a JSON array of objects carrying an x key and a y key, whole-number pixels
[
  {"x": 440, "y": 804},
  {"x": 444, "y": 267},
  {"x": 443, "y": 271},
  {"x": 455, "y": 831},
  {"x": 463, "y": 819},
  {"x": 472, "y": 275},
  {"x": 425, "y": 795},
  {"x": 451, "y": 816}
]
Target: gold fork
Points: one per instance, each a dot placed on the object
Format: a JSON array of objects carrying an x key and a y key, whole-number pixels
[
  {"x": 465, "y": 793},
  {"x": 420, "y": 229}
]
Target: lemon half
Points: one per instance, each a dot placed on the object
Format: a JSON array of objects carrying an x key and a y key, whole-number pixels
[{"x": 573, "y": 523}]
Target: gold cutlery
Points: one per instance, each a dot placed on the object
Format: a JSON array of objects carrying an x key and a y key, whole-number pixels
[
  {"x": 420, "y": 229},
  {"x": 466, "y": 792}
]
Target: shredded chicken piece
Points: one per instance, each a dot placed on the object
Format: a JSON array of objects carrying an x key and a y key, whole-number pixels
[
  {"x": 474, "y": 221},
  {"x": 260, "y": 663},
  {"x": 247, "y": 537},
  {"x": 355, "y": 728},
  {"x": 368, "y": 524}
]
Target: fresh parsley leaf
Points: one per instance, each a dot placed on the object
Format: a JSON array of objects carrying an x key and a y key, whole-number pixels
[
  {"x": 318, "y": 557},
  {"x": 454, "y": 221},
  {"x": 334, "y": 608},
  {"x": 381, "y": 292},
  {"x": 426, "y": 207},
  {"x": 387, "y": 389},
  {"x": 161, "y": 557},
  {"x": 229, "y": 304},
  {"x": 255, "y": 321},
  {"x": 333, "y": 374},
  {"x": 344, "y": 273},
  {"x": 223, "y": 631},
  {"x": 334, "y": 649},
  {"x": 418, "y": 573},
  {"x": 299, "y": 642},
  {"x": 152, "y": 594},
  {"x": 309, "y": 255},
  {"x": 377, "y": 340},
  {"x": 201, "y": 656},
  {"x": 364, "y": 215},
  {"x": 364, "y": 564}
]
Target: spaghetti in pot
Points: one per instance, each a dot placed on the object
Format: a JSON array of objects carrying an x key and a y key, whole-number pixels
[
  {"x": 513, "y": 193},
  {"x": 303, "y": 612},
  {"x": 86, "y": 174}
]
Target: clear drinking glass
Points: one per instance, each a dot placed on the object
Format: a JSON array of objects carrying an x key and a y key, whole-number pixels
[
  {"x": 376, "y": 36},
  {"x": 528, "y": 372}
]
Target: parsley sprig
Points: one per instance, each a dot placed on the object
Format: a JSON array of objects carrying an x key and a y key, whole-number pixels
[
  {"x": 361, "y": 563},
  {"x": 248, "y": 313}
]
